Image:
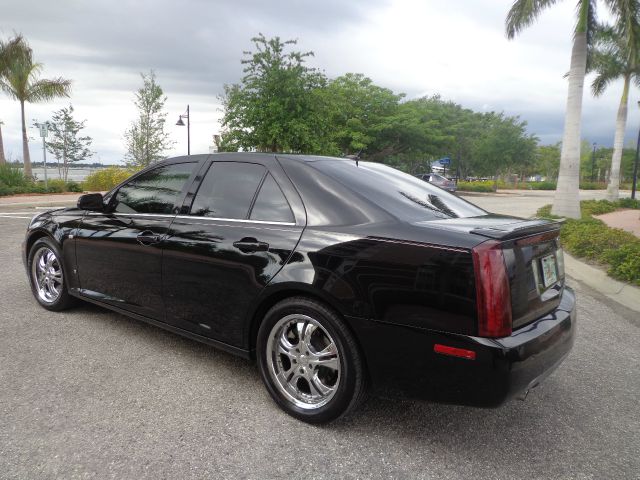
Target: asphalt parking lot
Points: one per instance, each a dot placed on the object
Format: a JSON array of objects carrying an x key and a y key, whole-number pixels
[{"x": 91, "y": 394}]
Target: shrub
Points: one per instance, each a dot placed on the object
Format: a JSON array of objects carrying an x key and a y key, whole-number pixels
[
  {"x": 586, "y": 185},
  {"x": 546, "y": 185},
  {"x": 11, "y": 176},
  {"x": 597, "y": 207},
  {"x": 56, "y": 185},
  {"x": 625, "y": 262},
  {"x": 629, "y": 203},
  {"x": 106, "y": 178},
  {"x": 475, "y": 186},
  {"x": 5, "y": 189},
  {"x": 72, "y": 186},
  {"x": 591, "y": 238}
]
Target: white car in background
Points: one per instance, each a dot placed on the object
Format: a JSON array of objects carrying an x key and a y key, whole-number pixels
[{"x": 438, "y": 181}]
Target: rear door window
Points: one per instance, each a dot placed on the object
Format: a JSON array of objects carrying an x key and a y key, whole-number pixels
[
  {"x": 228, "y": 189},
  {"x": 156, "y": 191}
]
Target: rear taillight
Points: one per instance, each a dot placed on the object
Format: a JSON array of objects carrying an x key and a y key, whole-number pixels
[{"x": 493, "y": 296}]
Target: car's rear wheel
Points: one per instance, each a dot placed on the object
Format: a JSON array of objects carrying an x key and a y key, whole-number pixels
[
  {"x": 310, "y": 361},
  {"x": 47, "y": 276}
]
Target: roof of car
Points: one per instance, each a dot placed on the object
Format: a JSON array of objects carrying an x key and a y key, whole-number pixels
[{"x": 257, "y": 155}]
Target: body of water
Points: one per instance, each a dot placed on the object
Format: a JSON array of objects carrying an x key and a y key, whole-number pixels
[{"x": 75, "y": 174}]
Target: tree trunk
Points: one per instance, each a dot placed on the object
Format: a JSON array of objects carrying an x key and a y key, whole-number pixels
[
  {"x": 566, "y": 202},
  {"x": 618, "y": 143},
  {"x": 3, "y": 160},
  {"x": 65, "y": 167},
  {"x": 26, "y": 159}
]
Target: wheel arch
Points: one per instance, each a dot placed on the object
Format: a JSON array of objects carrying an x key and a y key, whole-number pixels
[
  {"x": 272, "y": 296},
  {"x": 36, "y": 235}
]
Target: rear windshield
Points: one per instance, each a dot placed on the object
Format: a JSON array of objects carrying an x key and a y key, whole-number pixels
[{"x": 404, "y": 196}]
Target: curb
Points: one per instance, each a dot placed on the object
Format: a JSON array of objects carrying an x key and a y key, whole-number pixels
[{"x": 624, "y": 294}]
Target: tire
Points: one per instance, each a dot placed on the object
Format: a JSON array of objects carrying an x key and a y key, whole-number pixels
[
  {"x": 309, "y": 361},
  {"x": 47, "y": 275}
]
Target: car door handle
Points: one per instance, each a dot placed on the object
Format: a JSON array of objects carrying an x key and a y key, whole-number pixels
[
  {"x": 148, "y": 238},
  {"x": 248, "y": 245}
]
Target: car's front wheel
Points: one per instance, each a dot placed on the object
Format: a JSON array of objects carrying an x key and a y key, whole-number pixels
[
  {"x": 310, "y": 361},
  {"x": 47, "y": 276}
]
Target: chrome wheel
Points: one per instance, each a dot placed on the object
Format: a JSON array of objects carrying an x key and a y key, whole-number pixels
[
  {"x": 303, "y": 361},
  {"x": 46, "y": 272}
]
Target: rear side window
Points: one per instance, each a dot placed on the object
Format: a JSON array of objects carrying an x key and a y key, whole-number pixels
[
  {"x": 155, "y": 191},
  {"x": 271, "y": 204},
  {"x": 228, "y": 190},
  {"x": 400, "y": 194}
]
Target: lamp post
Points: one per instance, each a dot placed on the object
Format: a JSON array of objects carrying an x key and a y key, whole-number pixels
[
  {"x": 593, "y": 160},
  {"x": 635, "y": 167},
  {"x": 180, "y": 123}
]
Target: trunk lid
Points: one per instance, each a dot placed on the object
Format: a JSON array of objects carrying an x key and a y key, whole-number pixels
[{"x": 532, "y": 255}]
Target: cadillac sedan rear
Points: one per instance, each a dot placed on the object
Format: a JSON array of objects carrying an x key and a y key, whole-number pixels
[{"x": 334, "y": 274}]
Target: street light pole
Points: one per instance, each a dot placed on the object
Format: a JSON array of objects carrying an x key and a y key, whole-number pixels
[
  {"x": 593, "y": 160},
  {"x": 180, "y": 123}
]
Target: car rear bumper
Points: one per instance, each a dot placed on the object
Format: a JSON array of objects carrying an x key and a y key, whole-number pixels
[{"x": 403, "y": 358}]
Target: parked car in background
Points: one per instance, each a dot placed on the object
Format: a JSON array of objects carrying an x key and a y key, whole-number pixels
[
  {"x": 335, "y": 275},
  {"x": 438, "y": 181}
]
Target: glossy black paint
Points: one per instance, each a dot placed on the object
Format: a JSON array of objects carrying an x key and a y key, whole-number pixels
[{"x": 401, "y": 285}]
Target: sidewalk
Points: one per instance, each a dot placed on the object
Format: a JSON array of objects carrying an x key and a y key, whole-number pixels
[
  {"x": 628, "y": 220},
  {"x": 45, "y": 200}
]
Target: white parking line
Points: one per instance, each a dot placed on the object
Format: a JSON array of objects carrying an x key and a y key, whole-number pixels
[{"x": 13, "y": 216}]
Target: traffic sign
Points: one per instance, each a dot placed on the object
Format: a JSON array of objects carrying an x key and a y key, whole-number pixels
[
  {"x": 44, "y": 129},
  {"x": 445, "y": 161}
]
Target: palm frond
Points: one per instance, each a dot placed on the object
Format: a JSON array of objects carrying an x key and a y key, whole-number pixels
[
  {"x": 591, "y": 20},
  {"x": 524, "y": 13},
  {"x": 13, "y": 50},
  {"x": 48, "y": 89},
  {"x": 615, "y": 51},
  {"x": 601, "y": 82}
]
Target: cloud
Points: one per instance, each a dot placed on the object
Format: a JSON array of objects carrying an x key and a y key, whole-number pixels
[{"x": 457, "y": 49}]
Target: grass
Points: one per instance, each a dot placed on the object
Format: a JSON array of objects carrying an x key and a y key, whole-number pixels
[{"x": 592, "y": 239}]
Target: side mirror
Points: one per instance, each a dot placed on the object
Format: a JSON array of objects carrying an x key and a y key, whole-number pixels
[{"x": 92, "y": 202}]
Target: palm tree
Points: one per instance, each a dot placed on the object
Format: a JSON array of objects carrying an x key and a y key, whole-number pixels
[
  {"x": 20, "y": 81},
  {"x": 7, "y": 50},
  {"x": 616, "y": 54},
  {"x": 522, "y": 14},
  {"x": 2, "y": 159}
]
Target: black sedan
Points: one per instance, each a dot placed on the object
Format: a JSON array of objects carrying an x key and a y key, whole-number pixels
[{"x": 336, "y": 275}]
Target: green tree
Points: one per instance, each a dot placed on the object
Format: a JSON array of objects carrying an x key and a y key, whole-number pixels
[
  {"x": 65, "y": 142},
  {"x": 615, "y": 55},
  {"x": 504, "y": 146},
  {"x": 146, "y": 141},
  {"x": 8, "y": 50},
  {"x": 277, "y": 106},
  {"x": 359, "y": 111},
  {"x": 547, "y": 160},
  {"x": 20, "y": 81},
  {"x": 522, "y": 14}
]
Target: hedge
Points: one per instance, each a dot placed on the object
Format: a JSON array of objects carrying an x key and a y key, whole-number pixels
[{"x": 592, "y": 239}]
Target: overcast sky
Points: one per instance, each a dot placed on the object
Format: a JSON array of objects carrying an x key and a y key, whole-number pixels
[{"x": 455, "y": 48}]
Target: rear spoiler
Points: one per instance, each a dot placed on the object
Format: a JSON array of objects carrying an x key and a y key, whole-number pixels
[{"x": 520, "y": 229}]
